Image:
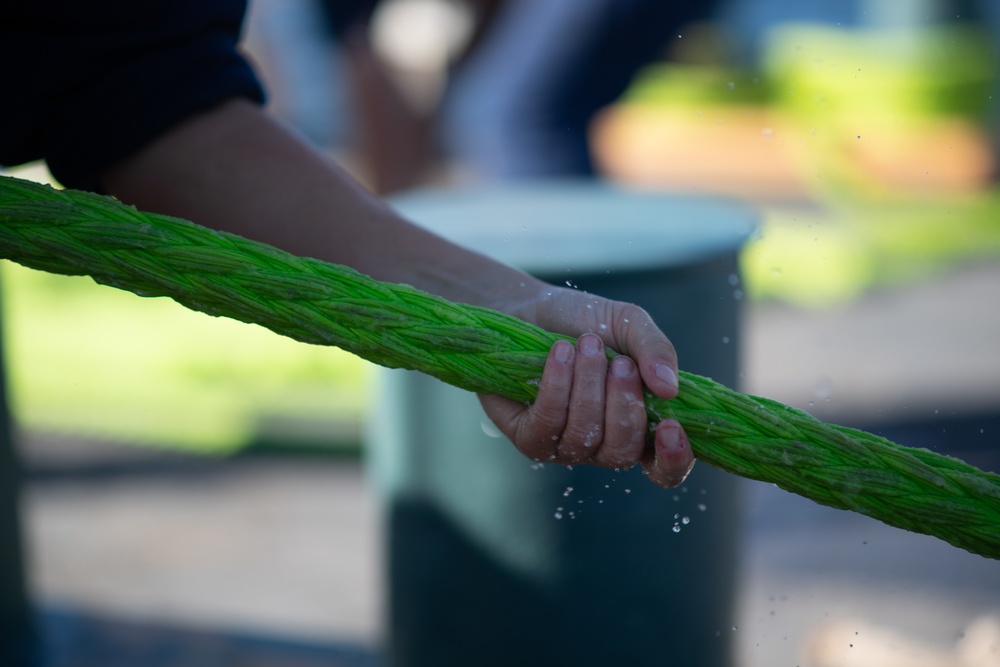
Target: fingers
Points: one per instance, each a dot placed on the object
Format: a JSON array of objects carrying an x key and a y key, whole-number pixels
[
  {"x": 638, "y": 336},
  {"x": 587, "y": 409},
  {"x": 536, "y": 429},
  {"x": 670, "y": 460},
  {"x": 590, "y": 410},
  {"x": 625, "y": 420},
  {"x": 584, "y": 431},
  {"x": 624, "y": 327}
]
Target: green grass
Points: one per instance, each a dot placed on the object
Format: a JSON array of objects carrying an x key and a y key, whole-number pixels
[
  {"x": 826, "y": 73},
  {"x": 91, "y": 361},
  {"x": 825, "y": 256}
]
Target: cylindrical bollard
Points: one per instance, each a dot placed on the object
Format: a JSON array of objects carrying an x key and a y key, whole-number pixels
[{"x": 492, "y": 559}]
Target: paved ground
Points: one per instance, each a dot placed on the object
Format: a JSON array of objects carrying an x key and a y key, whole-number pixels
[{"x": 153, "y": 559}]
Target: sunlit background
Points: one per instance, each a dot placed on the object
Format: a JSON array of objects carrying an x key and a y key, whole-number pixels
[{"x": 865, "y": 133}]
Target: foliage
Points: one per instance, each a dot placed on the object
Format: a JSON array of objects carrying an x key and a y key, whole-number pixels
[{"x": 87, "y": 360}]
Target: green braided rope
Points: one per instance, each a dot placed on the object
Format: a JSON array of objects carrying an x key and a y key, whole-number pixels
[{"x": 480, "y": 350}]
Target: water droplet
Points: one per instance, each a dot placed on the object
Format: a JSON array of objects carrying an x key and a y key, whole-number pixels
[
  {"x": 628, "y": 490},
  {"x": 676, "y": 528},
  {"x": 559, "y": 513},
  {"x": 732, "y": 85},
  {"x": 569, "y": 490},
  {"x": 725, "y": 340},
  {"x": 734, "y": 279},
  {"x": 489, "y": 429},
  {"x": 824, "y": 388},
  {"x": 702, "y": 507},
  {"x": 685, "y": 520}
]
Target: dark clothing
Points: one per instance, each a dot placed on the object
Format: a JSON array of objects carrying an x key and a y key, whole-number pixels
[
  {"x": 342, "y": 16},
  {"x": 86, "y": 84},
  {"x": 522, "y": 105}
]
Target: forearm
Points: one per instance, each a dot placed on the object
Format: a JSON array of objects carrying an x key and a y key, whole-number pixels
[{"x": 235, "y": 169}]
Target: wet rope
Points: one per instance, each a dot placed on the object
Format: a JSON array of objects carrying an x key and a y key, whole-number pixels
[{"x": 79, "y": 233}]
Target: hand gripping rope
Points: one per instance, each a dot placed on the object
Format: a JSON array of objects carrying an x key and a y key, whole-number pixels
[{"x": 481, "y": 350}]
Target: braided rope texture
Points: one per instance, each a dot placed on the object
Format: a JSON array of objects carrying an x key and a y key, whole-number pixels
[{"x": 480, "y": 350}]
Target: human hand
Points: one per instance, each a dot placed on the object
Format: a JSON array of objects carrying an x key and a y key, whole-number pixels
[{"x": 590, "y": 409}]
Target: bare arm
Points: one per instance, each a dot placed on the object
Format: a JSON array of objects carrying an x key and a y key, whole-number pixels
[{"x": 234, "y": 168}]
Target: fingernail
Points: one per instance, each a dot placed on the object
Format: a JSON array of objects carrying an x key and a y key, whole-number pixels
[
  {"x": 670, "y": 436},
  {"x": 621, "y": 367},
  {"x": 667, "y": 374},
  {"x": 590, "y": 344},
  {"x": 563, "y": 351}
]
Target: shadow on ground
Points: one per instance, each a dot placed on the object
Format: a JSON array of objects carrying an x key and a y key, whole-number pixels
[{"x": 74, "y": 639}]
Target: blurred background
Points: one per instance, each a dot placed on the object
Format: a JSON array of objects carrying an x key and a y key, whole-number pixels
[{"x": 195, "y": 488}]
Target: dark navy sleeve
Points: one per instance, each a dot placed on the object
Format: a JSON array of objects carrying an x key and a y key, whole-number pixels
[{"x": 86, "y": 84}]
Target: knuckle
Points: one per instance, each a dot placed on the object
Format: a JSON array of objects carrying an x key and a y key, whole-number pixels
[
  {"x": 616, "y": 458},
  {"x": 621, "y": 452},
  {"x": 580, "y": 443},
  {"x": 545, "y": 425},
  {"x": 537, "y": 451},
  {"x": 537, "y": 445}
]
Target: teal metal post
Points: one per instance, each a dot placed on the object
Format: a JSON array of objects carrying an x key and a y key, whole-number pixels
[{"x": 494, "y": 560}]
